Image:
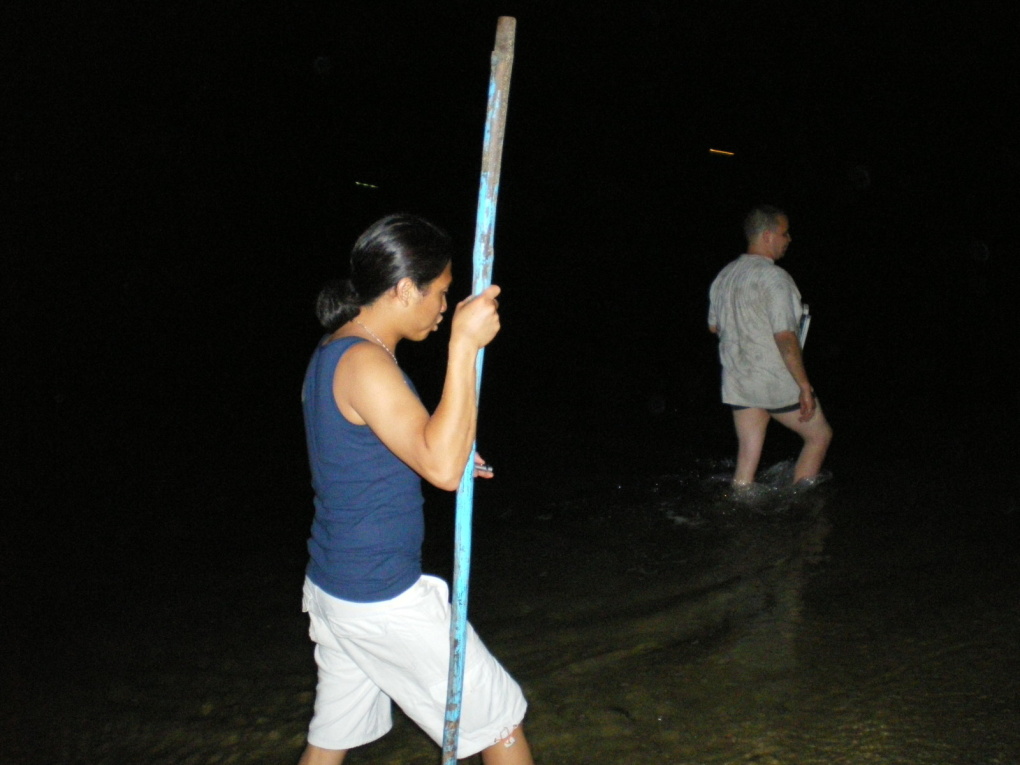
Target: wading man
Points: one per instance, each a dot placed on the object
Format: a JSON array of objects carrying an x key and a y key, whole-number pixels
[
  {"x": 381, "y": 627},
  {"x": 755, "y": 310}
]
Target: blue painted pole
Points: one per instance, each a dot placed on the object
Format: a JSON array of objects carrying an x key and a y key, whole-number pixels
[{"x": 492, "y": 155}]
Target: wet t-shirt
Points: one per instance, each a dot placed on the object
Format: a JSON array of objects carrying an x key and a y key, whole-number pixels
[{"x": 749, "y": 302}]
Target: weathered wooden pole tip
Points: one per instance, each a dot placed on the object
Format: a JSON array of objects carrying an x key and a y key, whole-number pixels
[{"x": 506, "y": 30}]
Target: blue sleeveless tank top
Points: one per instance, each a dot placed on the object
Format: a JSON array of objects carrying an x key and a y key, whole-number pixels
[{"x": 368, "y": 529}]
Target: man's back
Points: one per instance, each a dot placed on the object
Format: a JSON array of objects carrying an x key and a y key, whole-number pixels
[
  {"x": 755, "y": 309},
  {"x": 751, "y": 300}
]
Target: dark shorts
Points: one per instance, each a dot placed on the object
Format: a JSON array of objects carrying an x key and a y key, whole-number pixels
[{"x": 778, "y": 410}]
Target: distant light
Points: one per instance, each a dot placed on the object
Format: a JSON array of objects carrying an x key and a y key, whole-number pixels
[
  {"x": 720, "y": 151},
  {"x": 365, "y": 185}
]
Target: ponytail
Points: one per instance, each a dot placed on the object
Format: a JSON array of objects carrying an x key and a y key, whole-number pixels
[{"x": 337, "y": 304}]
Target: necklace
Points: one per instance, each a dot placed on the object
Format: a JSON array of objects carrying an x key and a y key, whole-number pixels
[{"x": 376, "y": 337}]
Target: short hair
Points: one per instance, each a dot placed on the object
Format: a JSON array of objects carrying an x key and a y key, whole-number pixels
[
  {"x": 393, "y": 248},
  {"x": 761, "y": 219}
]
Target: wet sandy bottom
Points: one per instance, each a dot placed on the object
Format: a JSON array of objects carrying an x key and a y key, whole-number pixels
[{"x": 650, "y": 623}]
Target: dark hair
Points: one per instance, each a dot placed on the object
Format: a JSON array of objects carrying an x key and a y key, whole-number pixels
[
  {"x": 761, "y": 219},
  {"x": 393, "y": 248}
]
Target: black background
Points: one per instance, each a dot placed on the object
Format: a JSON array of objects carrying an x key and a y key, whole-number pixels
[{"x": 180, "y": 178}]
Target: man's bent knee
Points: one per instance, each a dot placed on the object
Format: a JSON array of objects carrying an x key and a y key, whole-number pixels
[
  {"x": 316, "y": 755},
  {"x": 510, "y": 750},
  {"x": 815, "y": 431}
]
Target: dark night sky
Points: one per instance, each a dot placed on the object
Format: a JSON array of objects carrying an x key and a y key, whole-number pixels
[{"x": 179, "y": 179}]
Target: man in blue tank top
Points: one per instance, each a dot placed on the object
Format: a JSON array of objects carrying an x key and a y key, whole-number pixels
[{"x": 380, "y": 626}]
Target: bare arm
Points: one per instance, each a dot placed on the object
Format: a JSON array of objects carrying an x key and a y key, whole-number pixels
[
  {"x": 789, "y": 349},
  {"x": 370, "y": 389},
  {"x": 713, "y": 329}
]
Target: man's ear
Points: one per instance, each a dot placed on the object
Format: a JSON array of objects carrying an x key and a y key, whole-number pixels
[{"x": 404, "y": 290}]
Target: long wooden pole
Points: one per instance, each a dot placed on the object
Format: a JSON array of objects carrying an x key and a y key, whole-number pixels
[{"x": 492, "y": 157}]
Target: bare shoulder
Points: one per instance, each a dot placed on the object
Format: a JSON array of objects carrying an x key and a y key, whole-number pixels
[
  {"x": 366, "y": 362},
  {"x": 367, "y": 380}
]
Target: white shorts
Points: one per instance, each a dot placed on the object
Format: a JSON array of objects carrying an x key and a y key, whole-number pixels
[{"x": 371, "y": 653}]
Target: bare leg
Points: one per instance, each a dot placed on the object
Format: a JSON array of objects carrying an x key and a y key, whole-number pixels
[
  {"x": 817, "y": 435},
  {"x": 750, "y": 425},
  {"x": 316, "y": 755},
  {"x": 517, "y": 753}
]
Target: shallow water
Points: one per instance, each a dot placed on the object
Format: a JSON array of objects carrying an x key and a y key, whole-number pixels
[{"x": 650, "y": 619}]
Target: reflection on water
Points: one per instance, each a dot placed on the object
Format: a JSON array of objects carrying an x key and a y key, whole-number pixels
[
  {"x": 650, "y": 619},
  {"x": 659, "y": 620},
  {"x": 641, "y": 582}
]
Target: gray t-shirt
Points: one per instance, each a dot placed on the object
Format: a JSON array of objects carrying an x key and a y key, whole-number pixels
[{"x": 749, "y": 302}]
